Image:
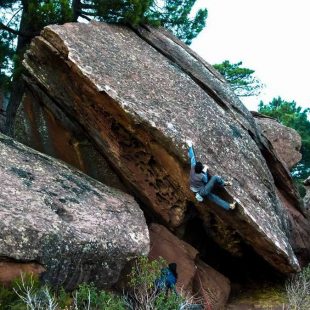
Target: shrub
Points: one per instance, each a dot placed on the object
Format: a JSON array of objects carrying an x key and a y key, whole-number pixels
[
  {"x": 9, "y": 299},
  {"x": 143, "y": 294},
  {"x": 26, "y": 293},
  {"x": 298, "y": 290},
  {"x": 87, "y": 296},
  {"x": 33, "y": 296}
]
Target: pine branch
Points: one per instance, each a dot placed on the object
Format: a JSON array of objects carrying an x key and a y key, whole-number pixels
[
  {"x": 87, "y": 6},
  {"x": 14, "y": 16},
  {"x": 17, "y": 32},
  {"x": 85, "y": 17}
]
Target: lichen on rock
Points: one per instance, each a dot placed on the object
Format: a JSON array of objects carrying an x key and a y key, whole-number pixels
[{"x": 76, "y": 228}]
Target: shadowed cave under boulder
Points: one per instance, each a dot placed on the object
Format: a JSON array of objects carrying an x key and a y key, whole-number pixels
[{"x": 241, "y": 264}]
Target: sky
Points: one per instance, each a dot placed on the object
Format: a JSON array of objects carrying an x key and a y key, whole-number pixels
[{"x": 268, "y": 36}]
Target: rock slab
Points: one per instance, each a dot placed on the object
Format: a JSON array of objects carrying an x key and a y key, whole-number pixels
[
  {"x": 139, "y": 95},
  {"x": 73, "y": 226}
]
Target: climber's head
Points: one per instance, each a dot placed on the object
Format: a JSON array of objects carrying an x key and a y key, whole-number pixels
[{"x": 198, "y": 167}]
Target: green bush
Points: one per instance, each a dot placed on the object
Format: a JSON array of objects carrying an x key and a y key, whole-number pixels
[
  {"x": 172, "y": 301},
  {"x": 87, "y": 296},
  {"x": 27, "y": 293},
  {"x": 298, "y": 290},
  {"x": 144, "y": 295},
  {"x": 9, "y": 299},
  {"x": 145, "y": 271}
]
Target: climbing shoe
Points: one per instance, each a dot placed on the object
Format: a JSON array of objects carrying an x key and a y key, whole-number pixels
[
  {"x": 199, "y": 197},
  {"x": 232, "y": 206}
]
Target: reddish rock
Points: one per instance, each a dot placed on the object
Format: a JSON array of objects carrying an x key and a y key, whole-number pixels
[
  {"x": 212, "y": 286},
  {"x": 164, "y": 244},
  {"x": 300, "y": 230},
  {"x": 9, "y": 270},
  {"x": 194, "y": 276},
  {"x": 285, "y": 140},
  {"x": 44, "y": 127}
]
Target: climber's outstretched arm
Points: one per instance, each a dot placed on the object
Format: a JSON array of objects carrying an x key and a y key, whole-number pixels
[{"x": 191, "y": 153}]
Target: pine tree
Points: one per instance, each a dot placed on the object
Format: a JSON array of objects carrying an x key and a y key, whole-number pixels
[
  {"x": 241, "y": 80},
  {"x": 175, "y": 15}
]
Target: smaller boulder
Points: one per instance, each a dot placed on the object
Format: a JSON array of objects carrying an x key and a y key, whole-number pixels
[
  {"x": 78, "y": 229},
  {"x": 213, "y": 287},
  {"x": 285, "y": 140}
]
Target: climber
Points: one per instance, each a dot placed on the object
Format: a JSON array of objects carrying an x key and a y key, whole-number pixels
[
  {"x": 168, "y": 278},
  {"x": 201, "y": 185}
]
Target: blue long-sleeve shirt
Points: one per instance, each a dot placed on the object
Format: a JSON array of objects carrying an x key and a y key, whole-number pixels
[
  {"x": 196, "y": 180},
  {"x": 191, "y": 155}
]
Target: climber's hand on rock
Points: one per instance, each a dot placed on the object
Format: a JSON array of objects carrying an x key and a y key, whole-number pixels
[
  {"x": 205, "y": 168},
  {"x": 189, "y": 142}
]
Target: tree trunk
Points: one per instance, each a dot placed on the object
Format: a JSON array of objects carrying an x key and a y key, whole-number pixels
[
  {"x": 76, "y": 8},
  {"x": 18, "y": 83}
]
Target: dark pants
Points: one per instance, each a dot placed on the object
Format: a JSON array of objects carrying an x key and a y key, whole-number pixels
[{"x": 207, "y": 189}]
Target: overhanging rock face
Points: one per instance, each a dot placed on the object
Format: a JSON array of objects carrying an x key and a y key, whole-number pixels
[
  {"x": 78, "y": 229},
  {"x": 138, "y": 95}
]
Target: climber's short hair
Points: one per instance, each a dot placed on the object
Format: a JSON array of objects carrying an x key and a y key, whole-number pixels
[{"x": 198, "y": 167}]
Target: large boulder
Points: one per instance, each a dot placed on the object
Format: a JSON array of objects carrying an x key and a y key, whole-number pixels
[
  {"x": 60, "y": 219},
  {"x": 138, "y": 95},
  {"x": 285, "y": 140}
]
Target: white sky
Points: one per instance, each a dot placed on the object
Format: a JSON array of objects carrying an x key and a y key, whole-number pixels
[{"x": 268, "y": 36}]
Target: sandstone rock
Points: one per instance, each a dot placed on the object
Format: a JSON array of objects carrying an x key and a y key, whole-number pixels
[
  {"x": 300, "y": 231},
  {"x": 213, "y": 287},
  {"x": 73, "y": 226},
  {"x": 194, "y": 276},
  {"x": 139, "y": 104},
  {"x": 285, "y": 140},
  {"x": 10, "y": 270},
  {"x": 164, "y": 244},
  {"x": 287, "y": 144},
  {"x": 44, "y": 127}
]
